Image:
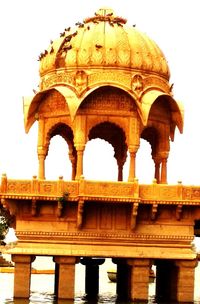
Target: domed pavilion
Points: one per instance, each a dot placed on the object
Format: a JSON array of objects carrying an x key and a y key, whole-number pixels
[{"x": 105, "y": 79}]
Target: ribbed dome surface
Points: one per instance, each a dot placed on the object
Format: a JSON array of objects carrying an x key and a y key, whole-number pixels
[{"x": 104, "y": 40}]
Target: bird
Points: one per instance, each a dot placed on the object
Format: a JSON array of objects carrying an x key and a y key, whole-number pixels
[
  {"x": 67, "y": 29},
  {"x": 171, "y": 87},
  {"x": 98, "y": 46},
  {"x": 62, "y": 34}
]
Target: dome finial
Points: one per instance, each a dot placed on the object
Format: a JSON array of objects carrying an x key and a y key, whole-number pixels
[
  {"x": 105, "y": 14},
  {"x": 105, "y": 11}
]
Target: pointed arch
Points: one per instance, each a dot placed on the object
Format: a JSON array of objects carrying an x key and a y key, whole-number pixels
[{"x": 176, "y": 108}]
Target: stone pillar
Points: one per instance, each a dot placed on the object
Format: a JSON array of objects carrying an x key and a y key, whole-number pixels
[
  {"x": 139, "y": 279},
  {"x": 41, "y": 158},
  {"x": 79, "y": 168},
  {"x": 22, "y": 275},
  {"x": 120, "y": 172},
  {"x": 73, "y": 162},
  {"x": 164, "y": 156},
  {"x": 65, "y": 276},
  {"x": 157, "y": 162},
  {"x": 132, "y": 151},
  {"x": 92, "y": 276},
  {"x": 185, "y": 281},
  {"x": 122, "y": 279}
]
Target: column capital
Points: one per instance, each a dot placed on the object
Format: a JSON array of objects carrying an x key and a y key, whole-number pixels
[
  {"x": 20, "y": 258},
  {"x": 187, "y": 263},
  {"x": 66, "y": 259},
  {"x": 138, "y": 262},
  {"x": 133, "y": 148},
  {"x": 163, "y": 154}
]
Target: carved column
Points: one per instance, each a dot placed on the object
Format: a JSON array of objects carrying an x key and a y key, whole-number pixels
[
  {"x": 157, "y": 162},
  {"x": 132, "y": 151},
  {"x": 92, "y": 276},
  {"x": 139, "y": 279},
  {"x": 73, "y": 162},
  {"x": 41, "y": 158},
  {"x": 185, "y": 281},
  {"x": 164, "y": 156},
  {"x": 120, "y": 170},
  {"x": 22, "y": 275},
  {"x": 79, "y": 167},
  {"x": 65, "y": 276}
]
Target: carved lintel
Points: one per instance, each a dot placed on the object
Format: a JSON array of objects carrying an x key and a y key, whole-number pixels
[
  {"x": 34, "y": 207},
  {"x": 178, "y": 212},
  {"x": 80, "y": 214},
  {"x": 59, "y": 208},
  {"x": 134, "y": 215},
  {"x": 154, "y": 210}
]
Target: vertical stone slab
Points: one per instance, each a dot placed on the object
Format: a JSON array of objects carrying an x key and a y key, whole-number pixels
[
  {"x": 65, "y": 276},
  {"x": 139, "y": 279},
  {"x": 185, "y": 281},
  {"x": 22, "y": 275}
]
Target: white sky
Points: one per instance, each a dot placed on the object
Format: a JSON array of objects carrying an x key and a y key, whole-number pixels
[{"x": 26, "y": 28}]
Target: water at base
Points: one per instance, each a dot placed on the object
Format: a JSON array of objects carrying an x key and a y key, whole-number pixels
[{"x": 42, "y": 286}]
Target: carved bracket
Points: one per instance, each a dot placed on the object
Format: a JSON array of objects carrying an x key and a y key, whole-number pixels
[
  {"x": 34, "y": 207},
  {"x": 179, "y": 212},
  {"x": 154, "y": 210},
  {"x": 134, "y": 215},
  {"x": 80, "y": 214},
  {"x": 59, "y": 208},
  {"x": 61, "y": 202}
]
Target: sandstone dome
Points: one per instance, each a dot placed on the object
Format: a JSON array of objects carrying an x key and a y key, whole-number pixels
[{"x": 104, "y": 41}]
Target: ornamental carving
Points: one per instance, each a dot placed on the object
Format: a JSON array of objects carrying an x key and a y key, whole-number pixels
[
  {"x": 56, "y": 78},
  {"x": 153, "y": 81},
  {"x": 109, "y": 189},
  {"x": 111, "y": 77},
  {"x": 80, "y": 81},
  {"x": 19, "y": 187},
  {"x": 109, "y": 100},
  {"x": 53, "y": 103},
  {"x": 137, "y": 84}
]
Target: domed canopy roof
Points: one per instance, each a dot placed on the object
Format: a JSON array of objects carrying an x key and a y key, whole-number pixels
[{"x": 104, "y": 40}]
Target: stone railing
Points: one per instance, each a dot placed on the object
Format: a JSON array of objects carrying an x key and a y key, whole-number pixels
[{"x": 122, "y": 191}]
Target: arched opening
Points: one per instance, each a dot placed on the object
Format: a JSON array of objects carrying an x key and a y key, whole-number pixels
[
  {"x": 99, "y": 162},
  {"x": 115, "y": 137},
  {"x": 144, "y": 163},
  {"x": 61, "y": 158},
  {"x": 57, "y": 160}
]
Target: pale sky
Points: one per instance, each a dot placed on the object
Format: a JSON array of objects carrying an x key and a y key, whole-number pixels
[{"x": 26, "y": 28}]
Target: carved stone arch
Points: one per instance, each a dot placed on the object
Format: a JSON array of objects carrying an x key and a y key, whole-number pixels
[
  {"x": 151, "y": 135},
  {"x": 66, "y": 133},
  {"x": 108, "y": 99},
  {"x": 114, "y": 135}
]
